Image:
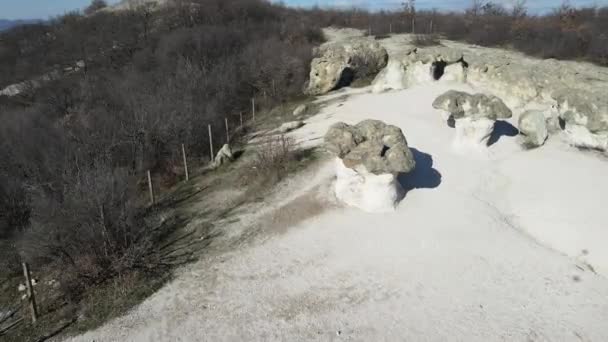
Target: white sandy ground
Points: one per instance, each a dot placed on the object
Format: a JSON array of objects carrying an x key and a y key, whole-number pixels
[
  {"x": 497, "y": 249},
  {"x": 502, "y": 244}
]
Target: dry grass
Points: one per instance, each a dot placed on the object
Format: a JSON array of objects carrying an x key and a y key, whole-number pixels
[
  {"x": 422, "y": 40},
  {"x": 274, "y": 158}
]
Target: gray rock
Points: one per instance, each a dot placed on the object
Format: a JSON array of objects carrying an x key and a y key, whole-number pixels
[
  {"x": 301, "y": 109},
  {"x": 344, "y": 61},
  {"x": 583, "y": 108},
  {"x": 341, "y": 139},
  {"x": 460, "y": 104},
  {"x": 290, "y": 126},
  {"x": 533, "y": 126},
  {"x": 380, "y": 148}
]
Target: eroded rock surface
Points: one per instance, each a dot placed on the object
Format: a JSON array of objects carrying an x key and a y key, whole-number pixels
[
  {"x": 533, "y": 126},
  {"x": 370, "y": 156},
  {"x": 380, "y": 148},
  {"x": 339, "y": 63},
  {"x": 460, "y": 104}
]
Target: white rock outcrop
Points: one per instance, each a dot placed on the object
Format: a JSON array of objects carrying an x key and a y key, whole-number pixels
[
  {"x": 339, "y": 63},
  {"x": 393, "y": 77}
]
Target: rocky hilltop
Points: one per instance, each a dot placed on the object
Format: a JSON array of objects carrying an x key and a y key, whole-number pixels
[{"x": 571, "y": 95}]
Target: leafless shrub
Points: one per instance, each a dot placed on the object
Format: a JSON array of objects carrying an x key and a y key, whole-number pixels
[
  {"x": 274, "y": 158},
  {"x": 422, "y": 40}
]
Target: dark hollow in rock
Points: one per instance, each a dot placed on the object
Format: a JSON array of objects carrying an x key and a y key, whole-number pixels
[
  {"x": 438, "y": 69},
  {"x": 346, "y": 78}
]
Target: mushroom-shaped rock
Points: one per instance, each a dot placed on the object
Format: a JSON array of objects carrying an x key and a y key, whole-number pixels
[
  {"x": 460, "y": 104},
  {"x": 338, "y": 64},
  {"x": 533, "y": 126},
  {"x": 224, "y": 155},
  {"x": 474, "y": 115},
  {"x": 585, "y": 116},
  {"x": 370, "y": 155}
]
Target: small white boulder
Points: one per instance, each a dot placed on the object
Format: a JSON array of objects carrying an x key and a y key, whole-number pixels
[
  {"x": 290, "y": 126},
  {"x": 301, "y": 109},
  {"x": 533, "y": 126},
  {"x": 224, "y": 155}
]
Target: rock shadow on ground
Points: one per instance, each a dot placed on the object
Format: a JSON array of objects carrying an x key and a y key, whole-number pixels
[
  {"x": 424, "y": 176},
  {"x": 502, "y": 129}
]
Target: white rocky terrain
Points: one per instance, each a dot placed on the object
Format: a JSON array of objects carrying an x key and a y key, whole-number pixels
[{"x": 499, "y": 240}]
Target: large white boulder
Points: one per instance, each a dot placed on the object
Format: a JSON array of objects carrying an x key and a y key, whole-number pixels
[
  {"x": 365, "y": 190},
  {"x": 370, "y": 156},
  {"x": 339, "y": 63},
  {"x": 533, "y": 126},
  {"x": 393, "y": 77}
]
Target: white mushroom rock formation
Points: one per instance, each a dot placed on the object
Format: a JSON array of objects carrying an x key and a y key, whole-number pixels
[
  {"x": 339, "y": 63},
  {"x": 370, "y": 155},
  {"x": 474, "y": 116},
  {"x": 584, "y": 116},
  {"x": 533, "y": 127}
]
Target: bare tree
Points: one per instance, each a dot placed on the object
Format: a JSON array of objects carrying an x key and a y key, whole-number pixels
[
  {"x": 520, "y": 9},
  {"x": 95, "y": 6}
]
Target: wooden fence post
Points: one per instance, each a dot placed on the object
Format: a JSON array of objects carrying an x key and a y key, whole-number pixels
[
  {"x": 227, "y": 131},
  {"x": 211, "y": 144},
  {"x": 413, "y": 25},
  {"x": 151, "y": 189},
  {"x": 390, "y": 28},
  {"x": 30, "y": 292},
  {"x": 241, "y": 115},
  {"x": 253, "y": 107},
  {"x": 431, "y": 28},
  {"x": 185, "y": 163}
]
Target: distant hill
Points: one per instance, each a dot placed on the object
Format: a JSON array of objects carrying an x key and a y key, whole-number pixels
[{"x": 6, "y": 24}]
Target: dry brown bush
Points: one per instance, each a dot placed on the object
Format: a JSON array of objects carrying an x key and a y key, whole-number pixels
[
  {"x": 274, "y": 158},
  {"x": 422, "y": 40}
]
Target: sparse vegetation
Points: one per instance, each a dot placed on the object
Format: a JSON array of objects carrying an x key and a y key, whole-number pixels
[
  {"x": 274, "y": 158},
  {"x": 75, "y": 149},
  {"x": 565, "y": 33},
  {"x": 422, "y": 40}
]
